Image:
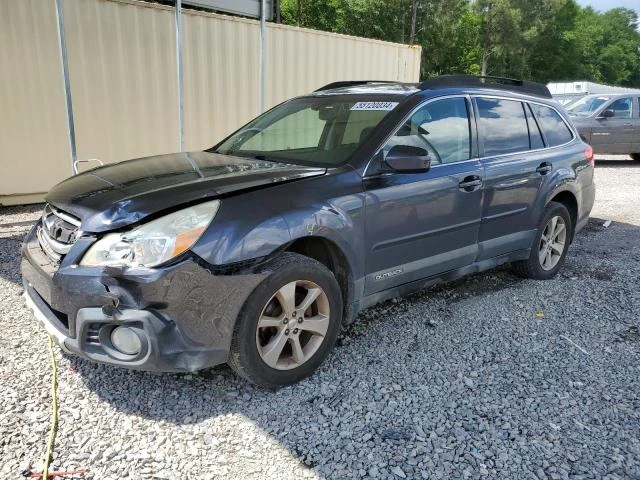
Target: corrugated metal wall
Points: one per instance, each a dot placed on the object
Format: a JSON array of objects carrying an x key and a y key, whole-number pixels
[
  {"x": 122, "y": 65},
  {"x": 221, "y": 56},
  {"x": 220, "y": 76},
  {"x": 34, "y": 147},
  {"x": 122, "y": 68}
]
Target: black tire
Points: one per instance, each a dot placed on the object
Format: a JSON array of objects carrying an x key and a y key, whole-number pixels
[
  {"x": 532, "y": 267},
  {"x": 244, "y": 357},
  {"x": 636, "y": 157}
]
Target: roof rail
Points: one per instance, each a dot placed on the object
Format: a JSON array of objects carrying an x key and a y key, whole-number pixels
[
  {"x": 500, "y": 83},
  {"x": 349, "y": 83}
]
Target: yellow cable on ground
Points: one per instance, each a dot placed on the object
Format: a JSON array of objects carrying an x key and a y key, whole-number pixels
[{"x": 54, "y": 413}]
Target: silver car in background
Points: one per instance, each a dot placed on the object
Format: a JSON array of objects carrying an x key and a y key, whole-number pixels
[{"x": 610, "y": 123}]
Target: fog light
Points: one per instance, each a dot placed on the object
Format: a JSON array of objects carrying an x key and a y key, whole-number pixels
[{"x": 126, "y": 340}]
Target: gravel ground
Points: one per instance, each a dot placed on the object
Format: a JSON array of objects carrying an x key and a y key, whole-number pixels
[{"x": 492, "y": 376}]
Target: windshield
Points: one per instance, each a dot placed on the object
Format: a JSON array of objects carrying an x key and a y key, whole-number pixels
[
  {"x": 585, "y": 106},
  {"x": 318, "y": 131}
]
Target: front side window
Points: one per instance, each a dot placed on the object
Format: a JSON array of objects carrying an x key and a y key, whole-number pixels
[
  {"x": 503, "y": 126},
  {"x": 622, "y": 108},
  {"x": 553, "y": 127},
  {"x": 319, "y": 131},
  {"x": 441, "y": 128}
]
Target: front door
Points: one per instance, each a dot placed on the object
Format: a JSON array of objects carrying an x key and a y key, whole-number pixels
[
  {"x": 614, "y": 135},
  {"x": 422, "y": 224}
]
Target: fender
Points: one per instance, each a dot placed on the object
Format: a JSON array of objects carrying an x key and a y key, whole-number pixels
[
  {"x": 336, "y": 226},
  {"x": 563, "y": 184},
  {"x": 256, "y": 224},
  {"x": 562, "y": 179}
]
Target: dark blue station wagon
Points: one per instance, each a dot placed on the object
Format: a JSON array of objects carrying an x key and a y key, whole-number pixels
[{"x": 256, "y": 251}]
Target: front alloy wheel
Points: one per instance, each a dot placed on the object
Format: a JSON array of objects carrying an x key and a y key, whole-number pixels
[
  {"x": 293, "y": 325},
  {"x": 289, "y": 323}
]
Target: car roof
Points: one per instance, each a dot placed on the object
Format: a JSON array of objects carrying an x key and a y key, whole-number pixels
[
  {"x": 402, "y": 91},
  {"x": 443, "y": 85},
  {"x": 355, "y": 88}
]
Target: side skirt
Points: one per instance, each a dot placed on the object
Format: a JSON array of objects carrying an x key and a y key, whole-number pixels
[{"x": 412, "y": 287}]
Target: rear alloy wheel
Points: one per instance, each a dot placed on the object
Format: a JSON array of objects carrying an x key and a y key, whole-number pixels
[
  {"x": 550, "y": 245},
  {"x": 289, "y": 323}
]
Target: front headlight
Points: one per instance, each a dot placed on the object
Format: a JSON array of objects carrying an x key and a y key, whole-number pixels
[{"x": 155, "y": 242}]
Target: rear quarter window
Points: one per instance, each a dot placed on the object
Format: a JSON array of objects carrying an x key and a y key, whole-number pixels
[{"x": 554, "y": 128}]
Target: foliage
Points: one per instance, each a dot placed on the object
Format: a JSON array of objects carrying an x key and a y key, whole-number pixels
[{"x": 544, "y": 40}]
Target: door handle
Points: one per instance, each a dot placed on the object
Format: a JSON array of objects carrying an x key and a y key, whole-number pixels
[
  {"x": 544, "y": 168},
  {"x": 470, "y": 183}
]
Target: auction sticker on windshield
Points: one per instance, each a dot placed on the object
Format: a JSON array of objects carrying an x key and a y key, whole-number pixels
[{"x": 374, "y": 106}]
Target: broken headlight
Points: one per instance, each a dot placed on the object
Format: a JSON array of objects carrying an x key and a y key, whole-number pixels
[{"x": 154, "y": 242}]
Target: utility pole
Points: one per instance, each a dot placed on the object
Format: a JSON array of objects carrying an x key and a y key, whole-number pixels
[
  {"x": 414, "y": 15},
  {"x": 486, "y": 50},
  {"x": 263, "y": 32},
  {"x": 180, "y": 73},
  {"x": 298, "y": 12}
]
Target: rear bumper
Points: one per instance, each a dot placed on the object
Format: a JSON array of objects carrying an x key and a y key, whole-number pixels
[
  {"x": 588, "y": 197},
  {"x": 183, "y": 315}
]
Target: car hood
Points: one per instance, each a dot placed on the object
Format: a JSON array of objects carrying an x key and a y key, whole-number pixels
[{"x": 124, "y": 193}]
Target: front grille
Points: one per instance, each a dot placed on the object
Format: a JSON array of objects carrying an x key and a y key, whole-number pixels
[{"x": 57, "y": 233}]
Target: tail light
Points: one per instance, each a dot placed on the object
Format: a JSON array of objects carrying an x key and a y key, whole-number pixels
[{"x": 588, "y": 153}]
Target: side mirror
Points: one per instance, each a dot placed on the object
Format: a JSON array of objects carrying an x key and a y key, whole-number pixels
[
  {"x": 608, "y": 114},
  {"x": 408, "y": 159}
]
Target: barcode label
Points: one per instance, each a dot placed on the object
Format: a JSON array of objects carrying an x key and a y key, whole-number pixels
[{"x": 374, "y": 106}]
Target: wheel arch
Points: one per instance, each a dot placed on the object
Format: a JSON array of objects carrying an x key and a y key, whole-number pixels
[
  {"x": 569, "y": 200},
  {"x": 331, "y": 256}
]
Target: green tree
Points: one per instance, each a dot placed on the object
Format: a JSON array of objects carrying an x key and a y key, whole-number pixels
[
  {"x": 543, "y": 40},
  {"x": 609, "y": 46},
  {"x": 448, "y": 31}
]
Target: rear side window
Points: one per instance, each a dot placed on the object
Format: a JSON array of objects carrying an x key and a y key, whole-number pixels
[
  {"x": 503, "y": 126},
  {"x": 554, "y": 128}
]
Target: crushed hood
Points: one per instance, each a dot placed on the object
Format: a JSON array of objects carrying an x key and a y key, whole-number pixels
[{"x": 120, "y": 194}]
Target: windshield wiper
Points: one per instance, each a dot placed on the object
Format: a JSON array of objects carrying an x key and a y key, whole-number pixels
[{"x": 268, "y": 158}]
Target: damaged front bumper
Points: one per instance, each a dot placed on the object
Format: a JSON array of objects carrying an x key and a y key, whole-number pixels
[{"x": 183, "y": 315}]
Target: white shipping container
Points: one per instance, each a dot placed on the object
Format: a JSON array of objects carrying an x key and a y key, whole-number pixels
[
  {"x": 567, "y": 91},
  {"x": 123, "y": 77}
]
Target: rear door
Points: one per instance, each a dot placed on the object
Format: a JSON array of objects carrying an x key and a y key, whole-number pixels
[
  {"x": 422, "y": 224},
  {"x": 510, "y": 142},
  {"x": 615, "y": 135}
]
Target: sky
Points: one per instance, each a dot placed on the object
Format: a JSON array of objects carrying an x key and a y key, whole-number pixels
[{"x": 607, "y": 4}]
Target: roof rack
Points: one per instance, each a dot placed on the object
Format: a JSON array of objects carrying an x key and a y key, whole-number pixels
[
  {"x": 500, "y": 83},
  {"x": 349, "y": 83}
]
